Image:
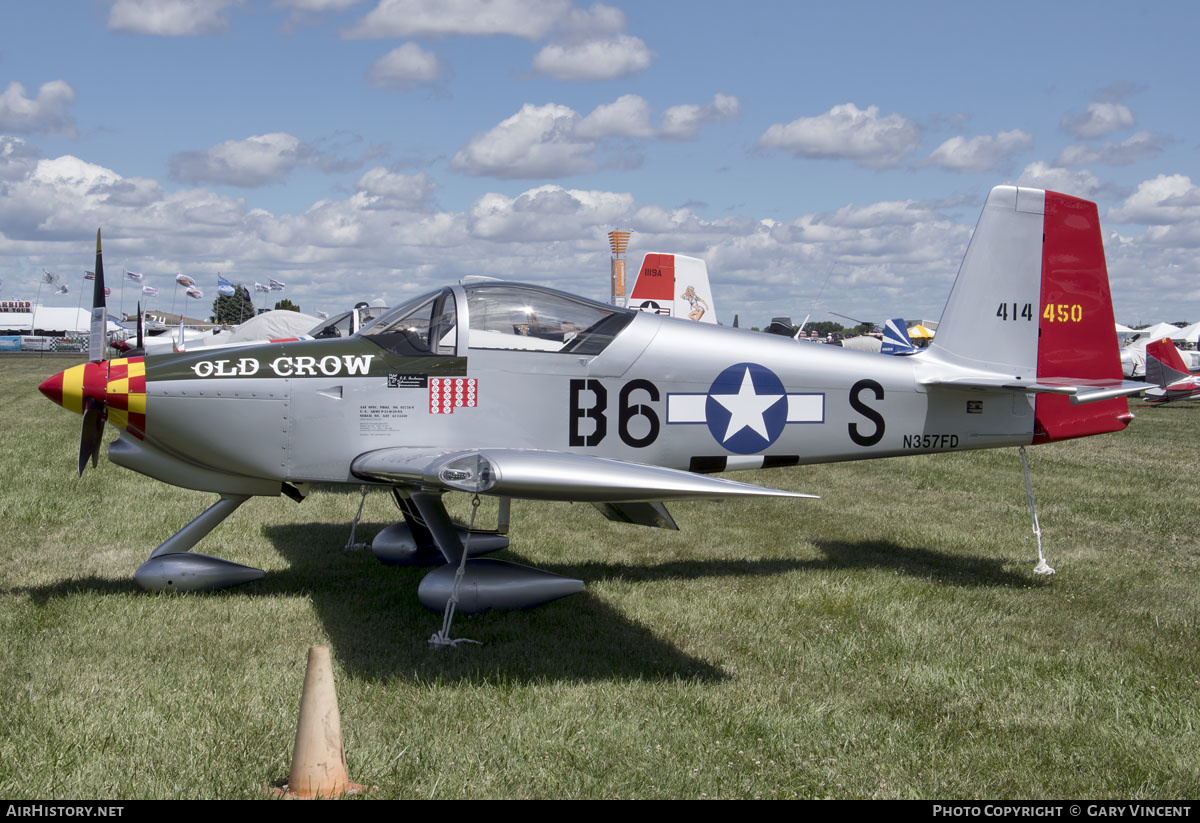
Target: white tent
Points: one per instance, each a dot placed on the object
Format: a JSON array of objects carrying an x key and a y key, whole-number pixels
[
  {"x": 863, "y": 343},
  {"x": 271, "y": 325},
  {"x": 1190, "y": 334},
  {"x": 51, "y": 320},
  {"x": 1158, "y": 331}
]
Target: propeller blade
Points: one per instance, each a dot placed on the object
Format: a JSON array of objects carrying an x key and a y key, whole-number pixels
[
  {"x": 91, "y": 433},
  {"x": 140, "y": 344},
  {"x": 99, "y": 328}
]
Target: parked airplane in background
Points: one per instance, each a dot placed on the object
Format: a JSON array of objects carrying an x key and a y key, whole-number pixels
[
  {"x": 896, "y": 339},
  {"x": 521, "y": 391},
  {"x": 673, "y": 285},
  {"x": 1133, "y": 353},
  {"x": 269, "y": 327},
  {"x": 1166, "y": 369}
]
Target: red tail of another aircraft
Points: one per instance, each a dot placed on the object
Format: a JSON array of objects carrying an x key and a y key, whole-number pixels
[
  {"x": 1166, "y": 369},
  {"x": 674, "y": 285},
  {"x": 1168, "y": 358}
]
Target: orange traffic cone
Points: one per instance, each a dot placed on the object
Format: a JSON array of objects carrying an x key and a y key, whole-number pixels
[{"x": 318, "y": 759}]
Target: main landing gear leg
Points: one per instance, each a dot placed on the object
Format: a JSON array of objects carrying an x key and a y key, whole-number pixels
[{"x": 173, "y": 567}]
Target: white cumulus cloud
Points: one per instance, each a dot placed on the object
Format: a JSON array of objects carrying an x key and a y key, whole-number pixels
[
  {"x": 387, "y": 238},
  {"x": 314, "y": 6},
  {"x": 537, "y": 141},
  {"x": 1118, "y": 153},
  {"x": 17, "y": 158},
  {"x": 605, "y": 58},
  {"x": 682, "y": 122},
  {"x": 1101, "y": 118},
  {"x": 255, "y": 161},
  {"x": 846, "y": 131},
  {"x": 1167, "y": 199},
  {"x": 1169, "y": 205},
  {"x": 547, "y": 213},
  {"x": 388, "y": 189},
  {"x": 627, "y": 116},
  {"x": 1080, "y": 183},
  {"x": 883, "y": 213},
  {"x": 530, "y": 19},
  {"x": 405, "y": 68},
  {"x": 554, "y": 141},
  {"x": 981, "y": 153},
  {"x": 47, "y": 113},
  {"x": 596, "y": 20},
  {"x": 170, "y": 18}
]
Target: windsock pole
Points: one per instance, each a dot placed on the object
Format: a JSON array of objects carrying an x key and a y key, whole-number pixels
[{"x": 618, "y": 240}]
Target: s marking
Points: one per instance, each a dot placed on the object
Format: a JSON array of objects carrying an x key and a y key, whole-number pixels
[{"x": 856, "y": 402}]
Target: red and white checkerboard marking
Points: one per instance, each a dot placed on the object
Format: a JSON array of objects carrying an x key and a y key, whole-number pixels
[{"x": 448, "y": 393}]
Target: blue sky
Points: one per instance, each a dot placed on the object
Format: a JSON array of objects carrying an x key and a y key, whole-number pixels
[{"x": 378, "y": 148}]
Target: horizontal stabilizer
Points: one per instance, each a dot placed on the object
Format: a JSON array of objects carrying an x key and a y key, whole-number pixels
[
  {"x": 548, "y": 475},
  {"x": 1079, "y": 392}
]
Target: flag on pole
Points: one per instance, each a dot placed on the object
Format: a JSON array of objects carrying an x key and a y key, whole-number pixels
[
  {"x": 149, "y": 291},
  {"x": 62, "y": 289},
  {"x": 259, "y": 287},
  {"x": 134, "y": 276},
  {"x": 225, "y": 287},
  {"x": 194, "y": 293},
  {"x": 276, "y": 285},
  {"x": 324, "y": 315},
  {"x": 184, "y": 280},
  {"x": 49, "y": 277},
  {"x": 89, "y": 275},
  {"x": 107, "y": 291}
]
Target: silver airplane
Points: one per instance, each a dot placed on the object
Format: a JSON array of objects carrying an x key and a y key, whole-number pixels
[{"x": 520, "y": 391}]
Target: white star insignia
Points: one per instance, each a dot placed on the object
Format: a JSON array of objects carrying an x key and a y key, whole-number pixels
[{"x": 746, "y": 409}]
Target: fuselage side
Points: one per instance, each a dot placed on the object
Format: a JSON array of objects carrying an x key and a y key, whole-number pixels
[{"x": 664, "y": 392}]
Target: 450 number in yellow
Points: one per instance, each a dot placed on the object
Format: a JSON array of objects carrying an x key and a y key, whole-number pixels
[{"x": 1063, "y": 313}]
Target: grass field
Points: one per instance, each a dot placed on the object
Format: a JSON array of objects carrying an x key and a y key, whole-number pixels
[{"x": 888, "y": 640}]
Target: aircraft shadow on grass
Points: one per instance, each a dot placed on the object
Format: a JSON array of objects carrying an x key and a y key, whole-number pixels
[
  {"x": 378, "y": 630},
  {"x": 951, "y": 570}
]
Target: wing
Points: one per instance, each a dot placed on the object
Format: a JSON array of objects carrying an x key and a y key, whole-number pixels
[{"x": 547, "y": 475}]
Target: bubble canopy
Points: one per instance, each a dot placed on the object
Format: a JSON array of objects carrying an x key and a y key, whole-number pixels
[{"x": 505, "y": 316}]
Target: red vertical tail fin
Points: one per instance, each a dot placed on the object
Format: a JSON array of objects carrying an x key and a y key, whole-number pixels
[{"x": 1077, "y": 338}]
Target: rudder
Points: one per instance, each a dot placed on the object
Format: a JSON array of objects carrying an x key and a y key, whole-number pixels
[{"x": 1077, "y": 332}]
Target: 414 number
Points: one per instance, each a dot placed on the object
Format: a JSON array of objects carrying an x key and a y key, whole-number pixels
[{"x": 1015, "y": 311}]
